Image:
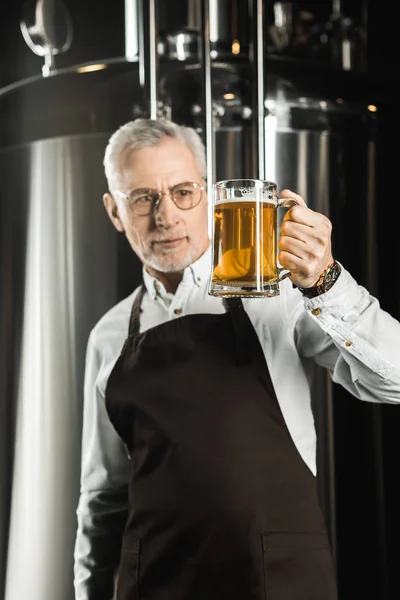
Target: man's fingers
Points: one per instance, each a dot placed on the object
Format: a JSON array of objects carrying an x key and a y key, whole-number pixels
[
  {"x": 305, "y": 233},
  {"x": 289, "y": 194},
  {"x": 305, "y": 216}
]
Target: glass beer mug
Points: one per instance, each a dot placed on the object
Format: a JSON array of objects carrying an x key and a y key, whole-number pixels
[{"x": 245, "y": 238}]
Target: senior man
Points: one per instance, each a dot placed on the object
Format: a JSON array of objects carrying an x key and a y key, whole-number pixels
[{"x": 199, "y": 447}]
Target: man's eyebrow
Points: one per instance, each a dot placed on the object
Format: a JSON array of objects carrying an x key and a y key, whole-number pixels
[{"x": 140, "y": 190}]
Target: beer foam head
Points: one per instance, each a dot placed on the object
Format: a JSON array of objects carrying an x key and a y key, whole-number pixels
[
  {"x": 237, "y": 190},
  {"x": 245, "y": 199},
  {"x": 251, "y": 193}
]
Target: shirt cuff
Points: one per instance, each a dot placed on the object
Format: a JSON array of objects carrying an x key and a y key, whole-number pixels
[{"x": 343, "y": 297}]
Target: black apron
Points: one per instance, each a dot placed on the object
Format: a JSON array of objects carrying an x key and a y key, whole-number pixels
[{"x": 221, "y": 504}]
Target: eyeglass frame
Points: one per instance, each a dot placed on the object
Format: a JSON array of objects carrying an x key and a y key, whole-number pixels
[{"x": 155, "y": 205}]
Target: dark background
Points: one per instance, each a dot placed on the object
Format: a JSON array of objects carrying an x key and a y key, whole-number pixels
[{"x": 98, "y": 35}]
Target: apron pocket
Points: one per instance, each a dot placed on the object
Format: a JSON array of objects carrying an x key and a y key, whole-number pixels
[
  {"x": 298, "y": 566},
  {"x": 128, "y": 571}
]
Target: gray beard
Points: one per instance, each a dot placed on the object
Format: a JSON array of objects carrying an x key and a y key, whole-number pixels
[{"x": 167, "y": 264}]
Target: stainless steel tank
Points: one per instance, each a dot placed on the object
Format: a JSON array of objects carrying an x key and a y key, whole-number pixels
[{"x": 62, "y": 267}]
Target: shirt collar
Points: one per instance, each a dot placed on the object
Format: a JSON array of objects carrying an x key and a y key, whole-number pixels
[{"x": 194, "y": 274}]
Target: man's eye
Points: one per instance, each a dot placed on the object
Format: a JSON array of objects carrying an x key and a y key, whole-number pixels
[
  {"x": 144, "y": 200},
  {"x": 183, "y": 193}
]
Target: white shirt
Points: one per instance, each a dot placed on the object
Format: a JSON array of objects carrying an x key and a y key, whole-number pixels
[{"x": 344, "y": 330}]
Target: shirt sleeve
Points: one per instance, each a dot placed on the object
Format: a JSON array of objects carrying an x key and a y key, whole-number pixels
[
  {"x": 103, "y": 501},
  {"x": 346, "y": 331}
]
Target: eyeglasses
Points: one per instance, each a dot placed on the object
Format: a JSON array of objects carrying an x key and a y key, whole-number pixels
[{"x": 185, "y": 196}]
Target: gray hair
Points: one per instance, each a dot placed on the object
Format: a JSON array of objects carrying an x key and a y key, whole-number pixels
[{"x": 143, "y": 133}]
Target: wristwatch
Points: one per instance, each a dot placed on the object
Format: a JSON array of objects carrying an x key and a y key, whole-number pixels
[{"x": 325, "y": 281}]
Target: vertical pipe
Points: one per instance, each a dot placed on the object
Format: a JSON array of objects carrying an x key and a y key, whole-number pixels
[
  {"x": 336, "y": 9},
  {"x": 205, "y": 61},
  {"x": 9, "y": 317},
  {"x": 131, "y": 30},
  {"x": 330, "y": 465},
  {"x": 258, "y": 95},
  {"x": 194, "y": 16},
  {"x": 364, "y": 21},
  {"x": 323, "y": 179},
  {"x": 377, "y": 421},
  {"x": 148, "y": 56}
]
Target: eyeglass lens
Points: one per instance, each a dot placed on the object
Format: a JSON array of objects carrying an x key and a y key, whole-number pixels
[{"x": 185, "y": 195}]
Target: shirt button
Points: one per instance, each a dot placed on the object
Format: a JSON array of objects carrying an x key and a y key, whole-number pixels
[
  {"x": 347, "y": 343},
  {"x": 316, "y": 312},
  {"x": 157, "y": 287},
  {"x": 178, "y": 311},
  {"x": 199, "y": 279}
]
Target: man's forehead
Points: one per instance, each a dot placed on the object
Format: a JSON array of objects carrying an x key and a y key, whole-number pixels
[
  {"x": 126, "y": 171},
  {"x": 143, "y": 169}
]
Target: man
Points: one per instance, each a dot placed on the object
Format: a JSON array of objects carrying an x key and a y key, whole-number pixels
[{"x": 198, "y": 458}]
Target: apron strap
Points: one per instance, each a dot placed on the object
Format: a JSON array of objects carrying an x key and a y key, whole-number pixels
[
  {"x": 243, "y": 330},
  {"x": 248, "y": 349},
  {"x": 232, "y": 303},
  {"x": 134, "y": 321},
  {"x": 133, "y": 342},
  {"x": 233, "y": 306}
]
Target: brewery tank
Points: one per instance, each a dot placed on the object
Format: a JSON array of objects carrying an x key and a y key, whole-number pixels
[{"x": 63, "y": 265}]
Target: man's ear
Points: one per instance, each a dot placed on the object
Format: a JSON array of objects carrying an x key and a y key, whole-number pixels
[{"x": 112, "y": 211}]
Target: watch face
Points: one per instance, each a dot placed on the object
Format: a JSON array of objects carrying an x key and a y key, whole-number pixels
[
  {"x": 330, "y": 276},
  {"x": 324, "y": 283}
]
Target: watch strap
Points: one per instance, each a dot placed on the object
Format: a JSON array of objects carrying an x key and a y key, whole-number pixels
[{"x": 325, "y": 281}]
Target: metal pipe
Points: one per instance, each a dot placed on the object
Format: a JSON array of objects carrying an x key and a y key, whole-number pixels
[
  {"x": 131, "y": 30},
  {"x": 377, "y": 419},
  {"x": 336, "y": 8},
  {"x": 260, "y": 89},
  {"x": 205, "y": 61},
  {"x": 148, "y": 56},
  {"x": 213, "y": 15},
  {"x": 194, "y": 16},
  {"x": 258, "y": 95},
  {"x": 330, "y": 467}
]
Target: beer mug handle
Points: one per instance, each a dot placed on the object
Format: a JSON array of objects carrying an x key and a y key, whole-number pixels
[{"x": 281, "y": 203}]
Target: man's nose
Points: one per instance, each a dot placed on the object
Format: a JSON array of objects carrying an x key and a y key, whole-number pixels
[{"x": 167, "y": 214}]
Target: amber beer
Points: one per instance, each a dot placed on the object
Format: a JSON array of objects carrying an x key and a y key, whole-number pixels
[
  {"x": 244, "y": 238},
  {"x": 245, "y": 247}
]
